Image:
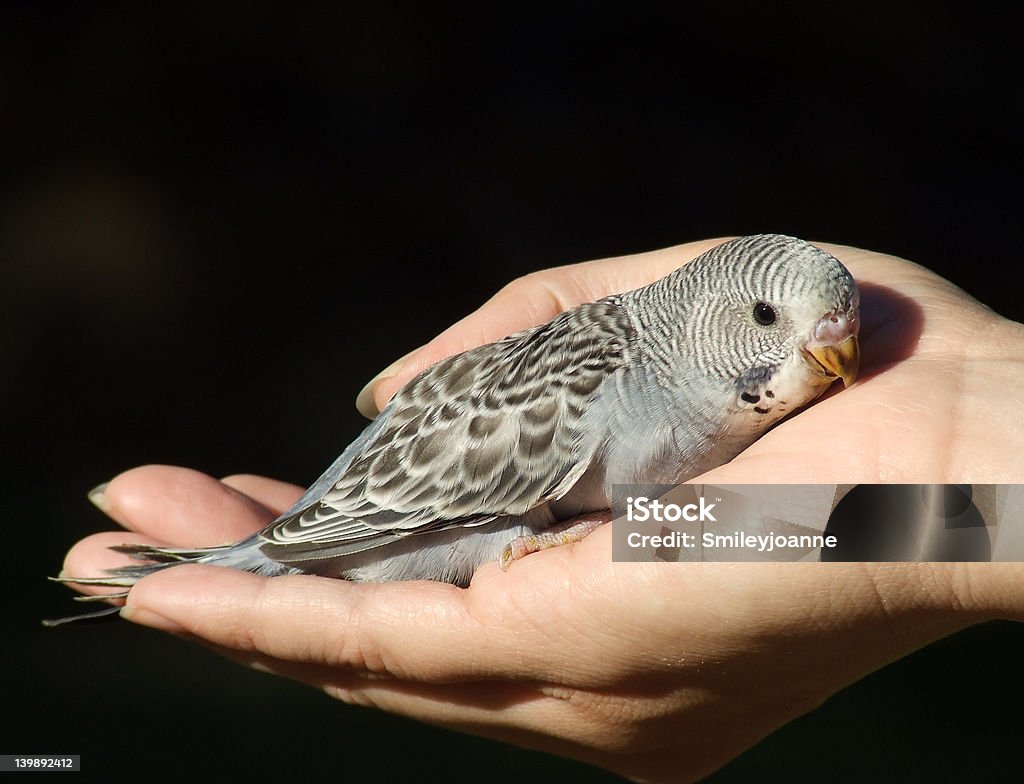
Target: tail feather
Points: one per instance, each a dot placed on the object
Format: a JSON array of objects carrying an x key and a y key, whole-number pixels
[
  {"x": 101, "y": 597},
  {"x": 121, "y": 577},
  {"x": 167, "y": 555},
  {"x": 100, "y": 615},
  {"x": 244, "y": 555}
]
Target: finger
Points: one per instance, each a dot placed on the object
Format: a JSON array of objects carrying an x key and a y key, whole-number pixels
[
  {"x": 541, "y": 716},
  {"x": 989, "y": 590},
  {"x": 471, "y": 706},
  {"x": 272, "y": 494},
  {"x": 527, "y": 302},
  {"x": 381, "y": 629},
  {"x": 308, "y": 619},
  {"x": 901, "y": 297},
  {"x": 182, "y": 507},
  {"x": 548, "y": 719}
]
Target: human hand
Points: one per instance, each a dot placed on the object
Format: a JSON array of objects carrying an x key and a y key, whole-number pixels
[{"x": 656, "y": 671}]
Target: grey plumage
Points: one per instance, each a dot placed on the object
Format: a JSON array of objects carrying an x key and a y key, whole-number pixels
[{"x": 653, "y": 385}]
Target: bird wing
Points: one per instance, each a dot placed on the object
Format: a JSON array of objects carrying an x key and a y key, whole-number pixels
[{"x": 491, "y": 432}]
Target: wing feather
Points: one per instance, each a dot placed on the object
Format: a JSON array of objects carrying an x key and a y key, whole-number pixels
[{"x": 491, "y": 432}]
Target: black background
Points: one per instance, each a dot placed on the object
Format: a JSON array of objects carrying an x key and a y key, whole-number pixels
[{"x": 218, "y": 221}]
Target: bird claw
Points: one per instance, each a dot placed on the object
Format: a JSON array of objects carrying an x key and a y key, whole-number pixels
[
  {"x": 516, "y": 549},
  {"x": 576, "y": 530}
]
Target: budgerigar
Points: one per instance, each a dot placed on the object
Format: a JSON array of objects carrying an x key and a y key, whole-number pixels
[{"x": 504, "y": 441}]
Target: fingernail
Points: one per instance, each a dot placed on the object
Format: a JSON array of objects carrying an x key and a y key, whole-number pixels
[
  {"x": 98, "y": 496},
  {"x": 144, "y": 617},
  {"x": 365, "y": 403}
]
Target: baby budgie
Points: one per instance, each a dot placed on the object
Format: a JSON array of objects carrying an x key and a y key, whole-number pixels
[{"x": 490, "y": 453}]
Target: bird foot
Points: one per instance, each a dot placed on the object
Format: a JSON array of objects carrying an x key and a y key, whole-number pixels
[{"x": 576, "y": 530}]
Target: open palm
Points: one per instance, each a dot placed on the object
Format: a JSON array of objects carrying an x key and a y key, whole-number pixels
[{"x": 656, "y": 671}]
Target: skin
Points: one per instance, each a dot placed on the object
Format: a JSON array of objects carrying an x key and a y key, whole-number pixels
[{"x": 660, "y": 672}]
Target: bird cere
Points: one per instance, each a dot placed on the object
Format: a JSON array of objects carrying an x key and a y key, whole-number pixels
[{"x": 514, "y": 446}]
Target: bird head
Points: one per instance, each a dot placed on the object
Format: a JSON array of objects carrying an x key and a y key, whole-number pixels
[{"x": 772, "y": 320}]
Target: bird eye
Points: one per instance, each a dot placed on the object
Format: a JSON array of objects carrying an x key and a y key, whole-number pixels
[{"x": 764, "y": 314}]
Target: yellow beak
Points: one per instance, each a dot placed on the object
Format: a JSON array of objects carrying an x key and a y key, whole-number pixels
[{"x": 841, "y": 361}]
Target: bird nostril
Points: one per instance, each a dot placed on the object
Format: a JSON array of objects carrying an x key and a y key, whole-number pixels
[{"x": 833, "y": 327}]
